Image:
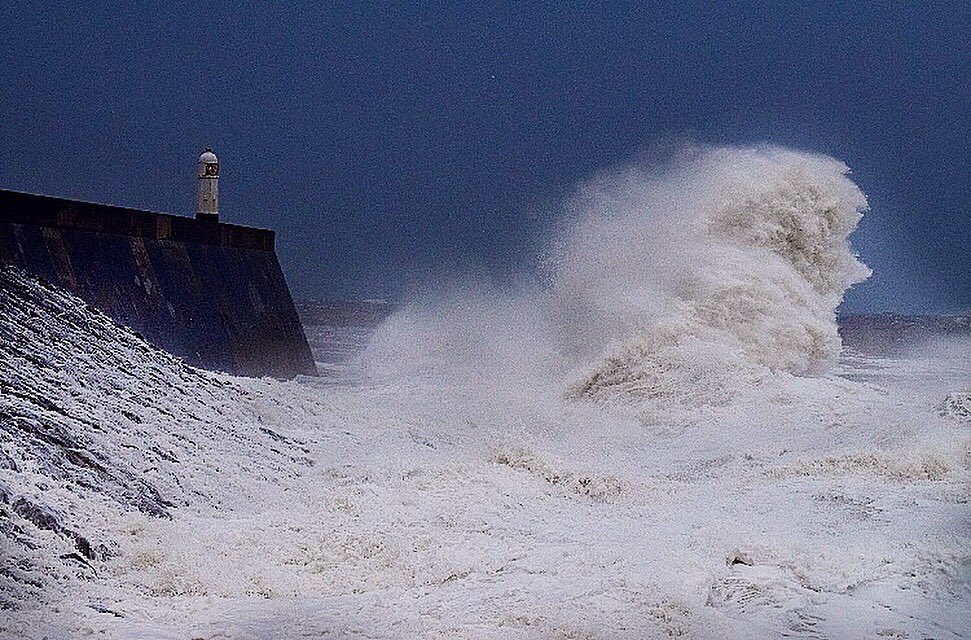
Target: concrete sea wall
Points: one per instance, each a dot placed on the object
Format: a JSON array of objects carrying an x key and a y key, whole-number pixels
[{"x": 212, "y": 293}]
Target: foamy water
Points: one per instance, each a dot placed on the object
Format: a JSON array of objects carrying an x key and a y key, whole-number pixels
[{"x": 655, "y": 437}]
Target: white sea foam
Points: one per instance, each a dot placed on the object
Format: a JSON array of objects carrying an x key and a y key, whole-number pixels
[
  {"x": 957, "y": 405},
  {"x": 645, "y": 444}
]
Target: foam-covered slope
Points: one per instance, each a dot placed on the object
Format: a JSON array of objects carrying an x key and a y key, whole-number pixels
[{"x": 94, "y": 422}]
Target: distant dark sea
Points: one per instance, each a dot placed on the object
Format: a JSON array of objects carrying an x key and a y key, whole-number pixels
[
  {"x": 339, "y": 330},
  {"x": 893, "y": 335}
]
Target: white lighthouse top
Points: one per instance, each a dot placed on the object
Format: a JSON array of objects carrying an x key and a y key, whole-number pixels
[{"x": 208, "y": 186}]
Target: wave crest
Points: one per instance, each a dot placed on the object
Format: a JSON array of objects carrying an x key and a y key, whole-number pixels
[
  {"x": 684, "y": 282},
  {"x": 692, "y": 278}
]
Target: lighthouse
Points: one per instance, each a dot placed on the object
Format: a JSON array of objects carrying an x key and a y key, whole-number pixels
[{"x": 208, "y": 187}]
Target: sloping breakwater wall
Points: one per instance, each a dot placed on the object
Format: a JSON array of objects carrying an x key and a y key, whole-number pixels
[{"x": 209, "y": 292}]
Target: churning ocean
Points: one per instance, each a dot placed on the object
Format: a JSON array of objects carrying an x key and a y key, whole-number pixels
[{"x": 660, "y": 434}]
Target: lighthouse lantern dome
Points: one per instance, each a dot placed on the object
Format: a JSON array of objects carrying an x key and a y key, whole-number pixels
[{"x": 208, "y": 201}]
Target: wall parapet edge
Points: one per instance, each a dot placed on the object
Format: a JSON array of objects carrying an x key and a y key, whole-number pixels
[{"x": 48, "y": 211}]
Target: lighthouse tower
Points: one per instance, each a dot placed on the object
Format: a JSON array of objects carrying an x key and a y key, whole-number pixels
[{"x": 208, "y": 187}]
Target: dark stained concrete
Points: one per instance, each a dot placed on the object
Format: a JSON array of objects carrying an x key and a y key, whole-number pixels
[{"x": 209, "y": 292}]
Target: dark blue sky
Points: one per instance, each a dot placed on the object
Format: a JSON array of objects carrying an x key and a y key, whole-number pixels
[{"x": 389, "y": 144}]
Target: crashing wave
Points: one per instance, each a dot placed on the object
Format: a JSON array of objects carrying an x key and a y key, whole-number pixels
[{"x": 689, "y": 282}]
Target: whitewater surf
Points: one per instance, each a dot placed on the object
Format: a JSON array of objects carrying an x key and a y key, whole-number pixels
[{"x": 659, "y": 434}]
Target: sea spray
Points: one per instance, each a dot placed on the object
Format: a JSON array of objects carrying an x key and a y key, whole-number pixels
[
  {"x": 679, "y": 282},
  {"x": 691, "y": 278}
]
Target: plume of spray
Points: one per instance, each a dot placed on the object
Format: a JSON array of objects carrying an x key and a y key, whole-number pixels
[{"x": 681, "y": 283}]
